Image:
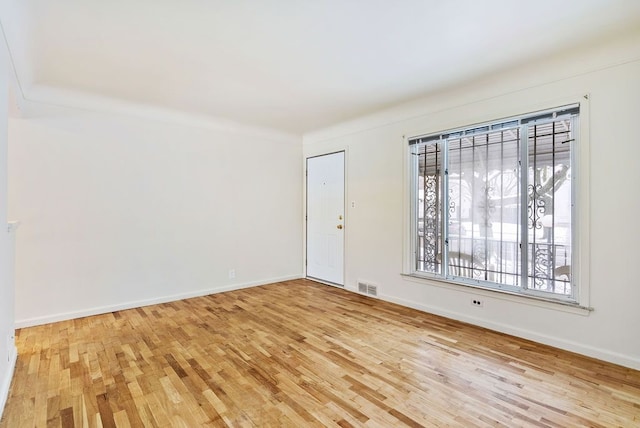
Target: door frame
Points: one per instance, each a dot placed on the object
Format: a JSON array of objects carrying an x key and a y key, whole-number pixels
[{"x": 306, "y": 213}]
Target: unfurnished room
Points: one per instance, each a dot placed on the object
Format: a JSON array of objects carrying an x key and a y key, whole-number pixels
[{"x": 289, "y": 213}]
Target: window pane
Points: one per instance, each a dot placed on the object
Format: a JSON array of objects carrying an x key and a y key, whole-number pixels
[
  {"x": 506, "y": 188},
  {"x": 549, "y": 207},
  {"x": 483, "y": 207},
  {"x": 429, "y": 229}
]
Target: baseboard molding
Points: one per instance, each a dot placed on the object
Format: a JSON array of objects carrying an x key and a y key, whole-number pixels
[
  {"x": 589, "y": 351},
  {"x": 30, "y": 322},
  {"x": 6, "y": 385},
  {"x": 601, "y": 354}
]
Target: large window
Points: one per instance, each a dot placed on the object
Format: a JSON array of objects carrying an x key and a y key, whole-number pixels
[{"x": 492, "y": 204}]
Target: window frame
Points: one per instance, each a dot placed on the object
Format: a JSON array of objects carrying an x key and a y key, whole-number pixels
[{"x": 579, "y": 208}]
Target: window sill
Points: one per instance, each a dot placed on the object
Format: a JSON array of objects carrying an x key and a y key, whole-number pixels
[{"x": 564, "y": 306}]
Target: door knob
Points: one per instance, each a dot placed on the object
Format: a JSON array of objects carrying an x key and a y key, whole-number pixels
[{"x": 339, "y": 226}]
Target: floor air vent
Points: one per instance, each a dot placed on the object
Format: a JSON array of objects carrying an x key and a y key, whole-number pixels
[
  {"x": 366, "y": 288},
  {"x": 362, "y": 287}
]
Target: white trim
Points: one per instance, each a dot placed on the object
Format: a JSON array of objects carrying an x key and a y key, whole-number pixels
[
  {"x": 44, "y": 98},
  {"x": 500, "y": 294},
  {"x": 567, "y": 345},
  {"x": 408, "y": 207},
  {"x": 581, "y": 209},
  {"x": 13, "y": 71},
  {"x": 617, "y": 53},
  {"x": 322, "y": 281},
  {"x": 8, "y": 377},
  {"x": 30, "y": 322}
]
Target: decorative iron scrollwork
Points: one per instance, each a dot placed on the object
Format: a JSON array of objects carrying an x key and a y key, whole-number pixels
[
  {"x": 542, "y": 265},
  {"x": 479, "y": 257},
  {"x": 536, "y": 207},
  {"x": 452, "y": 205},
  {"x": 430, "y": 222}
]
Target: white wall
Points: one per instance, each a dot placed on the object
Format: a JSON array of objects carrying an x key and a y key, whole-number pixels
[
  {"x": 7, "y": 348},
  {"x": 121, "y": 211},
  {"x": 376, "y": 181}
]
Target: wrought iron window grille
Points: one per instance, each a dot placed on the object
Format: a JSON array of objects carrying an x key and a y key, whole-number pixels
[{"x": 483, "y": 193}]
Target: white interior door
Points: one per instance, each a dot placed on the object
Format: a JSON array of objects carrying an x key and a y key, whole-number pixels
[{"x": 325, "y": 218}]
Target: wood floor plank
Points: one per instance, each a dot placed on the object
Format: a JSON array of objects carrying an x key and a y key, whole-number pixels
[{"x": 299, "y": 353}]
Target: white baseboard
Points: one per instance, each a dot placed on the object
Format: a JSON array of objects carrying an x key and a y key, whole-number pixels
[
  {"x": 601, "y": 354},
  {"x": 30, "y": 322},
  {"x": 590, "y": 351},
  {"x": 8, "y": 376}
]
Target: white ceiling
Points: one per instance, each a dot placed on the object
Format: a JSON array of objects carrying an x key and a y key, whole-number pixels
[{"x": 290, "y": 65}]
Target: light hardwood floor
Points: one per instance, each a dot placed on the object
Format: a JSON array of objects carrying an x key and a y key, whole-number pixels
[{"x": 303, "y": 354}]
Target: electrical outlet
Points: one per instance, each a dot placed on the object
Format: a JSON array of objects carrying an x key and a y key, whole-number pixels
[
  {"x": 476, "y": 302},
  {"x": 232, "y": 273}
]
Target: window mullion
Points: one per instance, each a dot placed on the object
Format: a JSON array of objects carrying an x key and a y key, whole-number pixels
[
  {"x": 423, "y": 245},
  {"x": 444, "y": 211},
  {"x": 524, "y": 202},
  {"x": 575, "y": 247},
  {"x": 415, "y": 205}
]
